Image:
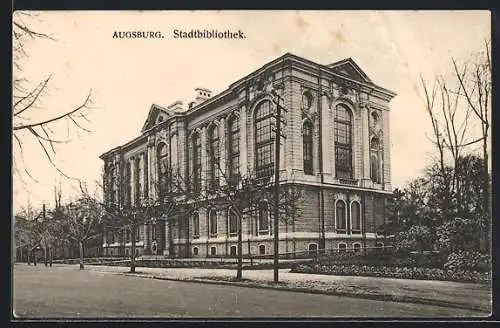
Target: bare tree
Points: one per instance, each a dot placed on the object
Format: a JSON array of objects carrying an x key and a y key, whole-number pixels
[
  {"x": 31, "y": 123},
  {"x": 243, "y": 194},
  {"x": 82, "y": 222},
  {"x": 475, "y": 85},
  {"x": 454, "y": 105},
  {"x": 28, "y": 231}
]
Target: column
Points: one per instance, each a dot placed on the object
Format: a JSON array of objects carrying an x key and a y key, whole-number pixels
[
  {"x": 223, "y": 150},
  {"x": 151, "y": 169},
  {"x": 142, "y": 179},
  {"x": 204, "y": 157},
  {"x": 327, "y": 142},
  {"x": 386, "y": 151}
]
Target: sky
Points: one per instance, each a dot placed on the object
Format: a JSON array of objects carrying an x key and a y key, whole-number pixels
[{"x": 126, "y": 76}]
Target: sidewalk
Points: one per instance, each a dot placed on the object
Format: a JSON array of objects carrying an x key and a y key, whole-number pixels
[{"x": 444, "y": 293}]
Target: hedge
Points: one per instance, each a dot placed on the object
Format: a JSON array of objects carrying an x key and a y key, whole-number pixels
[{"x": 394, "y": 272}]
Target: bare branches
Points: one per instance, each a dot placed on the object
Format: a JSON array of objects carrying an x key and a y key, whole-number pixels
[{"x": 28, "y": 123}]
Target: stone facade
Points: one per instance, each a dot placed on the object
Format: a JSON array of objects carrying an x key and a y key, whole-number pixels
[{"x": 309, "y": 93}]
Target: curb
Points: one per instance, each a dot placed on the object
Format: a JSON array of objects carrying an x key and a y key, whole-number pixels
[{"x": 383, "y": 297}]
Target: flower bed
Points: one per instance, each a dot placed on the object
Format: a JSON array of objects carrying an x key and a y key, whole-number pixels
[{"x": 394, "y": 272}]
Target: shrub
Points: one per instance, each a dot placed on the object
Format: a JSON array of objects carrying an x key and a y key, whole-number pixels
[
  {"x": 394, "y": 272},
  {"x": 467, "y": 261}
]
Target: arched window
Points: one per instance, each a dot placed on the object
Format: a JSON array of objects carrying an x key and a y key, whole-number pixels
[
  {"x": 163, "y": 169},
  {"x": 233, "y": 250},
  {"x": 233, "y": 223},
  {"x": 234, "y": 149},
  {"x": 195, "y": 250},
  {"x": 263, "y": 217},
  {"x": 264, "y": 140},
  {"x": 213, "y": 156},
  {"x": 196, "y": 225},
  {"x": 342, "y": 247},
  {"x": 307, "y": 145},
  {"x": 196, "y": 162},
  {"x": 213, "y": 250},
  {"x": 313, "y": 249},
  {"x": 262, "y": 249},
  {"x": 356, "y": 247},
  {"x": 343, "y": 142},
  {"x": 212, "y": 222},
  {"x": 355, "y": 218},
  {"x": 341, "y": 217},
  {"x": 374, "y": 161}
]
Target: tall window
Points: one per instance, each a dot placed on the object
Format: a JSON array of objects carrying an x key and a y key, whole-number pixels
[
  {"x": 196, "y": 162},
  {"x": 233, "y": 223},
  {"x": 137, "y": 177},
  {"x": 374, "y": 120},
  {"x": 163, "y": 169},
  {"x": 307, "y": 142},
  {"x": 355, "y": 218},
  {"x": 374, "y": 161},
  {"x": 196, "y": 225},
  {"x": 146, "y": 174},
  {"x": 234, "y": 149},
  {"x": 212, "y": 222},
  {"x": 213, "y": 156},
  {"x": 343, "y": 142},
  {"x": 341, "y": 217},
  {"x": 264, "y": 140},
  {"x": 263, "y": 217},
  {"x": 111, "y": 184},
  {"x": 128, "y": 184}
]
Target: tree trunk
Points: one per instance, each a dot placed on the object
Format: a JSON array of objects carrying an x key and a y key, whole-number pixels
[
  {"x": 132, "y": 255},
  {"x": 45, "y": 256},
  {"x": 50, "y": 256},
  {"x": 29, "y": 257},
  {"x": 81, "y": 255},
  {"x": 34, "y": 256},
  {"x": 239, "y": 270}
]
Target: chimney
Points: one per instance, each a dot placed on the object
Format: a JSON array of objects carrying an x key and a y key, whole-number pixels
[
  {"x": 176, "y": 106},
  {"x": 202, "y": 94}
]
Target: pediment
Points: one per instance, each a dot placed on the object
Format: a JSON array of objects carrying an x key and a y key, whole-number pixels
[
  {"x": 350, "y": 69},
  {"x": 156, "y": 115}
]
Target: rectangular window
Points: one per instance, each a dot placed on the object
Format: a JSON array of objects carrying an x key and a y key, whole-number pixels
[
  {"x": 343, "y": 162},
  {"x": 307, "y": 143},
  {"x": 196, "y": 226},
  {"x": 212, "y": 216}
]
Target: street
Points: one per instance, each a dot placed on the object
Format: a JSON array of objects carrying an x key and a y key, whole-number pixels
[{"x": 44, "y": 292}]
